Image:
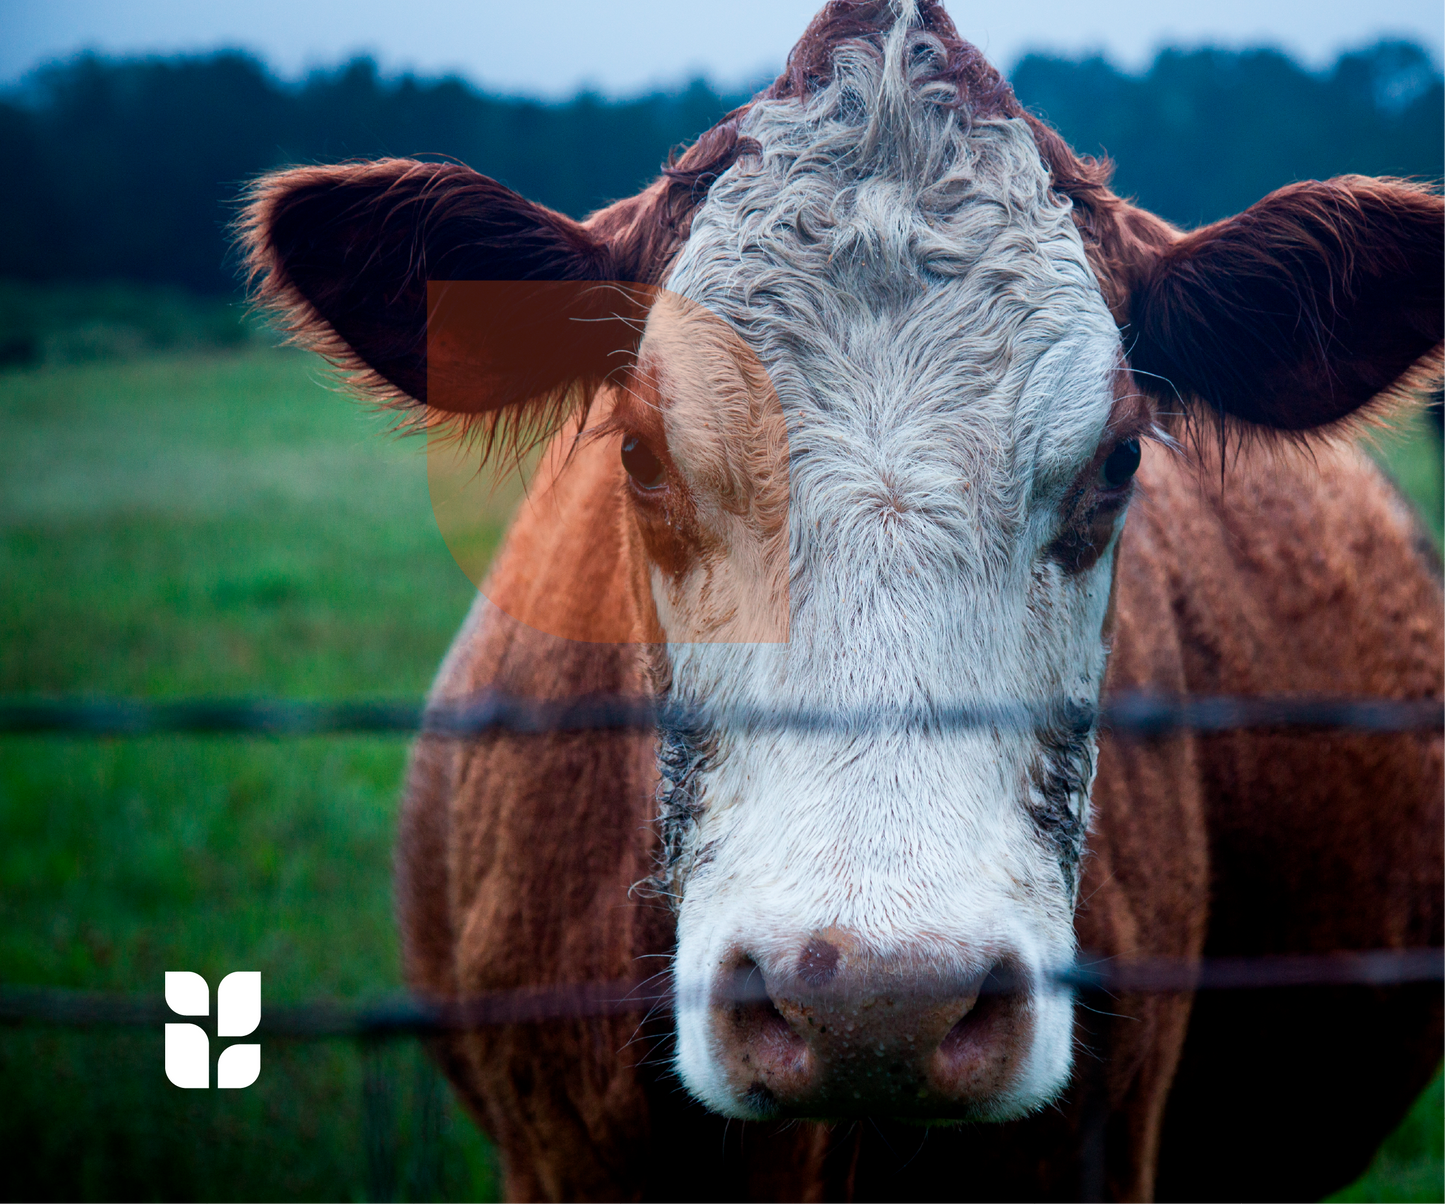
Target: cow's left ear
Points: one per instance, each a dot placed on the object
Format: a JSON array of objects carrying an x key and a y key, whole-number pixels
[
  {"x": 1299, "y": 310},
  {"x": 349, "y": 258}
]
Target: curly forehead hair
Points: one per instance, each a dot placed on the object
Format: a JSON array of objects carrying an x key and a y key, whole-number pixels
[
  {"x": 882, "y": 228},
  {"x": 927, "y": 63},
  {"x": 871, "y": 177}
]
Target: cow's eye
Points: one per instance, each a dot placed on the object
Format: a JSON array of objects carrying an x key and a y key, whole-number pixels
[
  {"x": 642, "y": 464},
  {"x": 1122, "y": 463}
]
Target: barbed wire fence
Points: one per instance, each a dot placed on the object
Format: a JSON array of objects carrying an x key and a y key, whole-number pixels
[{"x": 373, "y": 1025}]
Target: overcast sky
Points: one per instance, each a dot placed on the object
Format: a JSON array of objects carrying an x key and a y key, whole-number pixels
[{"x": 551, "y": 47}]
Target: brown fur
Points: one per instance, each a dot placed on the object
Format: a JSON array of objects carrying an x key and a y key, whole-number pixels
[
  {"x": 1287, "y": 570},
  {"x": 1300, "y": 575}
]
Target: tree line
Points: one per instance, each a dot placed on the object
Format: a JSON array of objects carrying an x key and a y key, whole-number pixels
[{"x": 130, "y": 169}]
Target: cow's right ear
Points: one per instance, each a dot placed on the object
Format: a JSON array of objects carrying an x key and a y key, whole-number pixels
[
  {"x": 345, "y": 256},
  {"x": 1300, "y": 310}
]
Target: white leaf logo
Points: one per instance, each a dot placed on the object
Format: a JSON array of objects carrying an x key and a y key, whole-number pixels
[{"x": 238, "y": 1013}]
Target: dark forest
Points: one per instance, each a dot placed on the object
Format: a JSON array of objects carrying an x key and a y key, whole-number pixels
[{"x": 129, "y": 169}]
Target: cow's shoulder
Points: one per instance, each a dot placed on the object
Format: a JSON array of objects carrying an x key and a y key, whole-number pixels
[
  {"x": 1294, "y": 568},
  {"x": 517, "y": 854}
]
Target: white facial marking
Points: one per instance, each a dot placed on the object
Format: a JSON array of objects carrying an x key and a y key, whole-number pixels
[{"x": 944, "y": 364}]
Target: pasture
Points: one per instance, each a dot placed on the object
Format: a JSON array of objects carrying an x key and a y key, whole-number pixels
[{"x": 222, "y": 523}]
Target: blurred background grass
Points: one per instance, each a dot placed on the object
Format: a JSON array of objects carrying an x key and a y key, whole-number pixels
[
  {"x": 186, "y": 510},
  {"x": 218, "y": 522}
]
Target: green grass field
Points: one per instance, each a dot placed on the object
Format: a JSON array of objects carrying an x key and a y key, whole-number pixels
[
  {"x": 217, "y": 525},
  {"x": 223, "y": 523}
]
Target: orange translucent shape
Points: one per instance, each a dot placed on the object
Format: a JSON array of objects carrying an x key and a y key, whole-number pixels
[{"x": 578, "y": 561}]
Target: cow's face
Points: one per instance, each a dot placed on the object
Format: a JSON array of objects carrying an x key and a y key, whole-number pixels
[
  {"x": 879, "y": 437},
  {"x": 880, "y": 448}
]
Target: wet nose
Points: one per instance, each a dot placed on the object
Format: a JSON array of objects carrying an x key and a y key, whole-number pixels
[{"x": 829, "y": 1029}]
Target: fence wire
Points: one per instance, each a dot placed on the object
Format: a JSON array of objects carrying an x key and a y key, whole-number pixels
[
  {"x": 410, "y": 1015},
  {"x": 1133, "y": 713}
]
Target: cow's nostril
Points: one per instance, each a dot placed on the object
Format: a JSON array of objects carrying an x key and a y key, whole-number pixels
[
  {"x": 770, "y": 1052},
  {"x": 967, "y": 1028},
  {"x": 830, "y": 1031},
  {"x": 976, "y": 1055},
  {"x": 818, "y": 963},
  {"x": 762, "y": 1020},
  {"x": 746, "y": 985}
]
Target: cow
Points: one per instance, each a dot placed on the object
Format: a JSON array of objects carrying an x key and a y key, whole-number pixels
[{"x": 879, "y": 400}]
